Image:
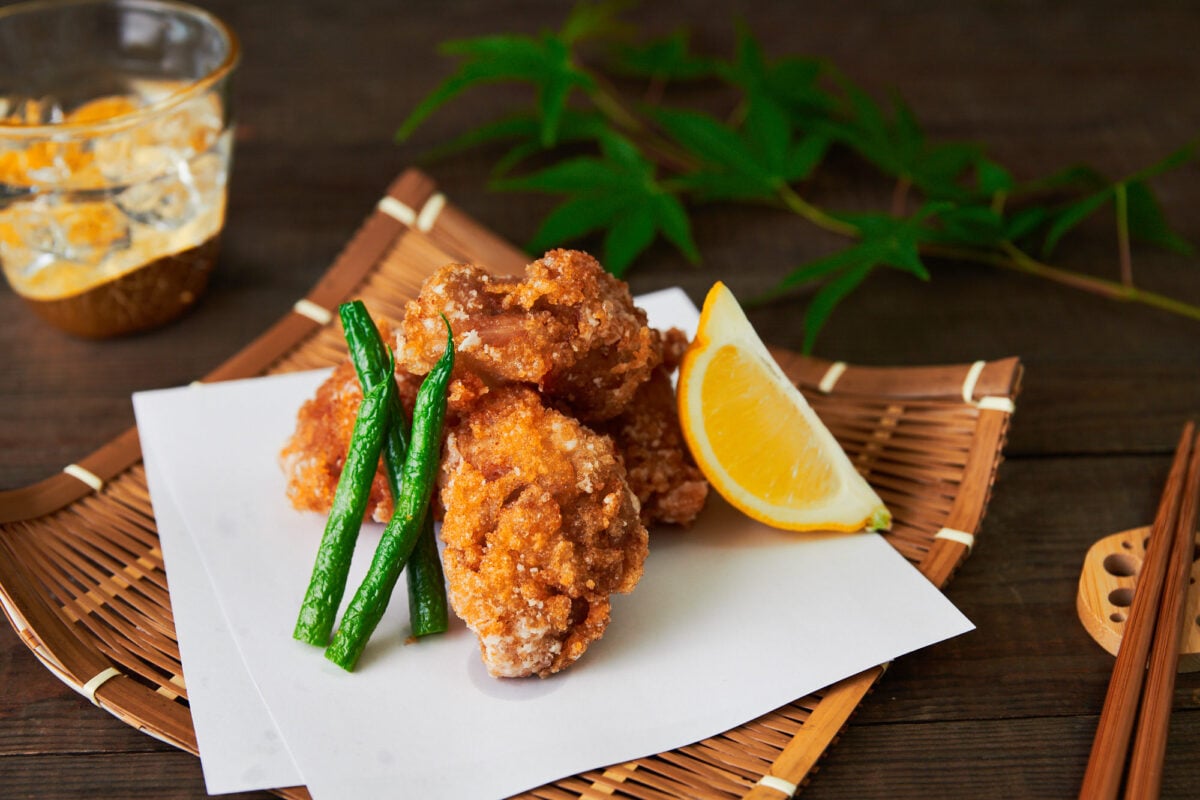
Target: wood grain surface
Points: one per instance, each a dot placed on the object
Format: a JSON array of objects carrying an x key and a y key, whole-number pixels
[{"x": 1006, "y": 711}]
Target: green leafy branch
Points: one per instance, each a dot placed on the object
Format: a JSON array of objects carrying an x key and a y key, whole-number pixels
[{"x": 628, "y": 167}]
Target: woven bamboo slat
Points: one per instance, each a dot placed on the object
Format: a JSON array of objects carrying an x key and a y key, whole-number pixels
[{"x": 82, "y": 578}]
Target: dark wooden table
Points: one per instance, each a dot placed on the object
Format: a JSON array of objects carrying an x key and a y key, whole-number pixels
[{"x": 1006, "y": 711}]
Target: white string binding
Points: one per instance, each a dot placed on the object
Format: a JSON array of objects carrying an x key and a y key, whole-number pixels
[
  {"x": 397, "y": 210},
  {"x": 86, "y": 475},
  {"x": 778, "y": 784},
  {"x": 962, "y": 537},
  {"x": 430, "y": 212},
  {"x": 831, "y": 376},
  {"x": 968, "y": 387},
  {"x": 997, "y": 403},
  {"x": 988, "y": 403},
  {"x": 307, "y": 308},
  {"x": 99, "y": 679}
]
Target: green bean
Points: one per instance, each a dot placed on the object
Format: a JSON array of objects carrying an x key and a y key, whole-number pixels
[
  {"x": 332, "y": 564},
  {"x": 427, "y": 609},
  {"x": 372, "y": 359},
  {"x": 404, "y": 528}
]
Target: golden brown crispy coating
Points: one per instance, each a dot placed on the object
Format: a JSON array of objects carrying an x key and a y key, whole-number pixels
[
  {"x": 658, "y": 466},
  {"x": 659, "y": 469},
  {"x": 540, "y": 528},
  {"x": 674, "y": 344},
  {"x": 568, "y": 328},
  {"x": 313, "y": 457}
]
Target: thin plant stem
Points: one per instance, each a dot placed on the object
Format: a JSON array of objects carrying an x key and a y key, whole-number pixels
[
  {"x": 1121, "y": 202},
  {"x": 900, "y": 196},
  {"x": 609, "y": 103},
  {"x": 817, "y": 216},
  {"x": 1017, "y": 260}
]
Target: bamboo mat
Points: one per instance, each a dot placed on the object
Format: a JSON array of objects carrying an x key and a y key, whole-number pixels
[{"x": 82, "y": 578}]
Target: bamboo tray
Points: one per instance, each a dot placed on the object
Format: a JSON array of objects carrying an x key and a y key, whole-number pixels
[{"x": 82, "y": 578}]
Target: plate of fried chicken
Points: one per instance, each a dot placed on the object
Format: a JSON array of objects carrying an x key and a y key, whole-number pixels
[{"x": 563, "y": 484}]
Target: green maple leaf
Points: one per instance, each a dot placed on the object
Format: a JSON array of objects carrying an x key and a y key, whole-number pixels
[
  {"x": 897, "y": 145},
  {"x": 1074, "y": 179},
  {"x": 523, "y": 132},
  {"x": 544, "y": 62},
  {"x": 737, "y": 164},
  {"x": 1143, "y": 215},
  {"x": 786, "y": 92},
  {"x": 769, "y": 148},
  {"x": 885, "y": 241},
  {"x": 616, "y": 193},
  {"x": 992, "y": 178},
  {"x": 1074, "y": 214},
  {"x": 1024, "y": 223},
  {"x": 976, "y": 225},
  {"x": 668, "y": 58},
  {"x": 600, "y": 20},
  {"x": 1147, "y": 222}
]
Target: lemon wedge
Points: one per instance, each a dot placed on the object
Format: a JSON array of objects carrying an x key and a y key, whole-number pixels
[{"x": 756, "y": 438}]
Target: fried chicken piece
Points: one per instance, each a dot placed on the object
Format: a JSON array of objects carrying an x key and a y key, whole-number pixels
[
  {"x": 658, "y": 465},
  {"x": 313, "y": 457},
  {"x": 568, "y": 328},
  {"x": 540, "y": 528}
]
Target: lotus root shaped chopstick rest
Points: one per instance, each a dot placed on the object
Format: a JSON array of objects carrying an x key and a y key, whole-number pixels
[{"x": 1110, "y": 573}]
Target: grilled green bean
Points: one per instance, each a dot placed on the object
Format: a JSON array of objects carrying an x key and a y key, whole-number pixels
[
  {"x": 402, "y": 531},
  {"x": 372, "y": 361},
  {"x": 332, "y": 564},
  {"x": 427, "y": 609}
]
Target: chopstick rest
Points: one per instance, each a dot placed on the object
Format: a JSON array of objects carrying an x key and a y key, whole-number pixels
[{"x": 1107, "y": 580}]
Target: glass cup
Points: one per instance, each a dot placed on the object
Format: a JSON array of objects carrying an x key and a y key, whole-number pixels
[{"x": 115, "y": 141}]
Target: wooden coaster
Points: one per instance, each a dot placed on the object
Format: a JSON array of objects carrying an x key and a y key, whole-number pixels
[{"x": 1110, "y": 572}]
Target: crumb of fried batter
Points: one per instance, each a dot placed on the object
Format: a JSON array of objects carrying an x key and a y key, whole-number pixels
[
  {"x": 658, "y": 465},
  {"x": 567, "y": 327},
  {"x": 540, "y": 528},
  {"x": 674, "y": 344},
  {"x": 313, "y": 456}
]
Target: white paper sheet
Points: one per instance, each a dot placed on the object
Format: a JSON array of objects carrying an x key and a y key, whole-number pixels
[
  {"x": 731, "y": 620},
  {"x": 240, "y": 745}
]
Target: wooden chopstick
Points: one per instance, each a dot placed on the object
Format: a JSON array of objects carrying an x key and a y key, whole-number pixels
[
  {"x": 1106, "y": 764},
  {"x": 1150, "y": 743}
]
